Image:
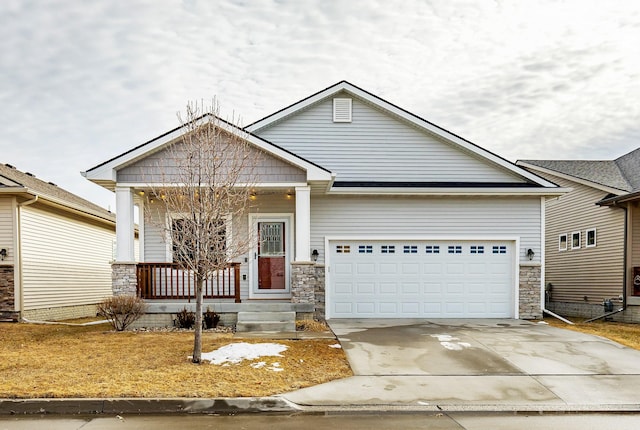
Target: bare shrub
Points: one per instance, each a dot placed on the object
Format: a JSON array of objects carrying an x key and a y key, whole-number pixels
[
  {"x": 122, "y": 311},
  {"x": 185, "y": 319}
]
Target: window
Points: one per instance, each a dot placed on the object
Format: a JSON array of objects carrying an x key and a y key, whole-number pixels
[
  {"x": 343, "y": 249},
  {"x": 182, "y": 240},
  {"x": 575, "y": 240},
  {"x": 365, "y": 249},
  {"x": 457, "y": 249},
  {"x": 432, "y": 249},
  {"x": 388, "y": 249},
  {"x": 410, "y": 249},
  {"x": 499, "y": 249},
  {"x": 562, "y": 242},
  {"x": 477, "y": 249},
  {"x": 591, "y": 238}
]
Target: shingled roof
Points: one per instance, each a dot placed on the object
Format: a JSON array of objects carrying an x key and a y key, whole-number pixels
[
  {"x": 12, "y": 178},
  {"x": 623, "y": 173}
]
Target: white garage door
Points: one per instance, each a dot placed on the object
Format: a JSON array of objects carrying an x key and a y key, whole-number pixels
[{"x": 417, "y": 279}]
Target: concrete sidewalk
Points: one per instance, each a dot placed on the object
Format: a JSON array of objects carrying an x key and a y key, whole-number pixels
[{"x": 496, "y": 365}]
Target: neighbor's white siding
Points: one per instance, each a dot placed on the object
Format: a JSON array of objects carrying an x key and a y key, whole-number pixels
[
  {"x": 7, "y": 228},
  {"x": 417, "y": 218},
  {"x": 65, "y": 260},
  {"x": 377, "y": 147}
]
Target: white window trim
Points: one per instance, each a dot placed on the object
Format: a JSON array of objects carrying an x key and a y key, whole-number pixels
[
  {"x": 566, "y": 242},
  {"x": 595, "y": 238},
  {"x": 579, "y": 240}
]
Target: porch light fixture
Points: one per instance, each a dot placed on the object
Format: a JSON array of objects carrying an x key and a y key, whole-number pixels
[
  {"x": 530, "y": 253},
  {"x": 3, "y": 254},
  {"x": 314, "y": 255}
]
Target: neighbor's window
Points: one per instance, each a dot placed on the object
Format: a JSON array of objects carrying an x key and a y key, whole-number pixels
[
  {"x": 591, "y": 238},
  {"x": 183, "y": 248},
  {"x": 575, "y": 240},
  {"x": 562, "y": 242}
]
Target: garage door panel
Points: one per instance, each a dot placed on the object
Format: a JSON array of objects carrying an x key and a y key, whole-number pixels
[{"x": 421, "y": 279}]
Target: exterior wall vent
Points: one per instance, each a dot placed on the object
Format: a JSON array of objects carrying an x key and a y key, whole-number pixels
[{"x": 342, "y": 110}]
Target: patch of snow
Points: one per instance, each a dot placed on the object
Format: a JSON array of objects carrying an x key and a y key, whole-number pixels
[
  {"x": 337, "y": 346},
  {"x": 237, "y": 352},
  {"x": 423, "y": 403},
  {"x": 447, "y": 341},
  {"x": 444, "y": 337},
  {"x": 258, "y": 365}
]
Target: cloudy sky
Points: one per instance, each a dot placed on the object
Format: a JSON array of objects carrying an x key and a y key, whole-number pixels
[{"x": 83, "y": 81}]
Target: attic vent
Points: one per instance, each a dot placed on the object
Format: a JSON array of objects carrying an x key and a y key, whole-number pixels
[{"x": 342, "y": 110}]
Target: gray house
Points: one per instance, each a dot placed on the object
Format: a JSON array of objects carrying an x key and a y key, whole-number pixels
[
  {"x": 593, "y": 235},
  {"x": 374, "y": 211}
]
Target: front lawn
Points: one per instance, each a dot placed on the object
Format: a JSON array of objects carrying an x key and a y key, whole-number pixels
[
  {"x": 623, "y": 333},
  {"x": 93, "y": 361}
]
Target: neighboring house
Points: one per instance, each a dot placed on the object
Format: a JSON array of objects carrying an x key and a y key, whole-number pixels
[
  {"x": 55, "y": 250},
  {"x": 376, "y": 212},
  {"x": 593, "y": 235}
]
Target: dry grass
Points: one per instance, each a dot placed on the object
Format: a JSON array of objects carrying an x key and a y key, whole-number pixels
[
  {"x": 623, "y": 333},
  {"x": 311, "y": 326},
  {"x": 91, "y": 361}
]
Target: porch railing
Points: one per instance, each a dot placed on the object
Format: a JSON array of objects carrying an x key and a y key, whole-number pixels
[{"x": 168, "y": 281}]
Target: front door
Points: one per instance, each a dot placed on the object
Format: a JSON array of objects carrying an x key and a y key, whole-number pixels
[{"x": 271, "y": 265}]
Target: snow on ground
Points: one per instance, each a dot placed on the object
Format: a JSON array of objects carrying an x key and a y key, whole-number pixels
[{"x": 236, "y": 352}]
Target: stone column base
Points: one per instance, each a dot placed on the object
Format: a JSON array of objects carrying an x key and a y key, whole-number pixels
[
  {"x": 7, "y": 291},
  {"x": 124, "y": 281},
  {"x": 303, "y": 282},
  {"x": 529, "y": 291}
]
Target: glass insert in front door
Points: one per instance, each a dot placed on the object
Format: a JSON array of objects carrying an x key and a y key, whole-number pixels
[{"x": 271, "y": 256}]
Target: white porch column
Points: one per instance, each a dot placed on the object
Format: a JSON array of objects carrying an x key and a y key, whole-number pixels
[
  {"x": 124, "y": 225},
  {"x": 303, "y": 223}
]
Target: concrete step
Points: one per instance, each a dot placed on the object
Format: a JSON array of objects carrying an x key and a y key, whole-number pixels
[{"x": 266, "y": 321}]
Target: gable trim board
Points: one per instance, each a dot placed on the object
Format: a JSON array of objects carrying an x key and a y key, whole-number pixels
[
  {"x": 415, "y": 120},
  {"x": 105, "y": 173}
]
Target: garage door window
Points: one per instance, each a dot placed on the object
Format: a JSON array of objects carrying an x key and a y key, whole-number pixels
[
  {"x": 365, "y": 249},
  {"x": 455, "y": 249},
  {"x": 501, "y": 249},
  {"x": 388, "y": 249},
  {"x": 343, "y": 249},
  {"x": 432, "y": 249},
  {"x": 477, "y": 249},
  {"x": 411, "y": 249}
]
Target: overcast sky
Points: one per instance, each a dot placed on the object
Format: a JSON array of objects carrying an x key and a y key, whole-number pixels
[{"x": 83, "y": 81}]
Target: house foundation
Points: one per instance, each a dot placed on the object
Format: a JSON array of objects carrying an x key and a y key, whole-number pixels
[{"x": 529, "y": 292}]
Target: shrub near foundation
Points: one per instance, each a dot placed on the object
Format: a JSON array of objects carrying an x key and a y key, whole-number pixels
[{"x": 122, "y": 311}]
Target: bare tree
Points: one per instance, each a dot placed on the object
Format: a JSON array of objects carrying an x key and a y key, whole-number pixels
[{"x": 203, "y": 182}]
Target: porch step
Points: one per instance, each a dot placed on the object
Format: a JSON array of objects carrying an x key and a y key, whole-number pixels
[{"x": 266, "y": 321}]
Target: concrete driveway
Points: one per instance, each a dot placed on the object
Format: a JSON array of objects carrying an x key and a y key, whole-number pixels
[{"x": 479, "y": 364}]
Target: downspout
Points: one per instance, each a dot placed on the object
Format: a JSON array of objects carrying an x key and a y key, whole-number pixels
[{"x": 19, "y": 248}]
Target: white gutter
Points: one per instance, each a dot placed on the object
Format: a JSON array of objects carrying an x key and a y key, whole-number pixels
[
  {"x": 64, "y": 323},
  {"x": 557, "y": 316}
]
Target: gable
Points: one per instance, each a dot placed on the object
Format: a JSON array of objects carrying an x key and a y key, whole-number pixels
[
  {"x": 376, "y": 146},
  {"x": 159, "y": 166}
]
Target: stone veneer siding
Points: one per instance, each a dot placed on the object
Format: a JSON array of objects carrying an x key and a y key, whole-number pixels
[
  {"x": 303, "y": 282},
  {"x": 320, "y": 312},
  {"x": 7, "y": 293},
  {"x": 124, "y": 279},
  {"x": 530, "y": 308}
]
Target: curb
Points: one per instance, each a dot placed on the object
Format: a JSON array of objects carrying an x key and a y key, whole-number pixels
[{"x": 111, "y": 406}]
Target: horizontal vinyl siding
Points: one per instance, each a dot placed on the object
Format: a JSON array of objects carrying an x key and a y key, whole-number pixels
[
  {"x": 635, "y": 237},
  {"x": 426, "y": 217},
  {"x": 65, "y": 261},
  {"x": 596, "y": 273},
  {"x": 377, "y": 147},
  {"x": 7, "y": 228},
  {"x": 155, "y": 247}
]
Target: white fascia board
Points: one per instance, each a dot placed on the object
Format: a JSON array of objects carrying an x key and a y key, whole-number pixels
[
  {"x": 260, "y": 185},
  {"x": 551, "y": 192},
  {"x": 108, "y": 171},
  {"x": 431, "y": 128},
  {"x": 568, "y": 177}
]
